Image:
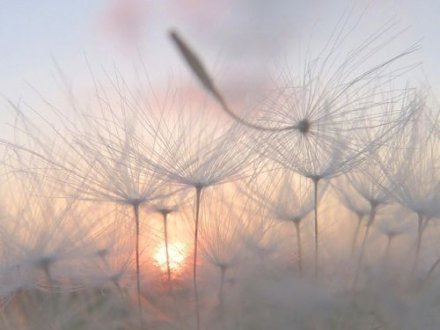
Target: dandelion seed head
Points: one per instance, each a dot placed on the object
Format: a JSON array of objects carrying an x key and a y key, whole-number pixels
[
  {"x": 135, "y": 201},
  {"x": 304, "y": 126},
  {"x": 45, "y": 262},
  {"x": 116, "y": 277},
  {"x": 296, "y": 219},
  {"x": 102, "y": 253}
]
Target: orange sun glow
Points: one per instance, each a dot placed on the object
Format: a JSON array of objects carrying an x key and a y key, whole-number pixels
[{"x": 176, "y": 252}]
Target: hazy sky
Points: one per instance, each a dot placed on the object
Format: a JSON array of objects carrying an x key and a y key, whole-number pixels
[{"x": 113, "y": 33}]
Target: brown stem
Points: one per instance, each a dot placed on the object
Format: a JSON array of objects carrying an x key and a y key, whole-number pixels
[
  {"x": 298, "y": 244},
  {"x": 432, "y": 269},
  {"x": 420, "y": 228},
  {"x": 388, "y": 247},
  {"x": 196, "y": 234},
  {"x": 165, "y": 232},
  {"x": 356, "y": 234},
  {"x": 315, "y": 186},
  {"x": 223, "y": 269},
  {"x": 371, "y": 218},
  {"x": 138, "y": 280}
]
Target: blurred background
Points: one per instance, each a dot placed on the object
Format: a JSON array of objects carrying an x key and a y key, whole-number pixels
[{"x": 238, "y": 39}]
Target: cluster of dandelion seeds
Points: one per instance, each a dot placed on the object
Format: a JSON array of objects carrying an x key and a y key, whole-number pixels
[{"x": 138, "y": 208}]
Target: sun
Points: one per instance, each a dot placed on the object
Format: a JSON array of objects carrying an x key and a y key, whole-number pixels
[{"x": 176, "y": 252}]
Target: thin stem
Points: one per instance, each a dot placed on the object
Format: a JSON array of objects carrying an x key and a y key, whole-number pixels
[
  {"x": 223, "y": 269},
  {"x": 165, "y": 232},
  {"x": 356, "y": 234},
  {"x": 388, "y": 247},
  {"x": 138, "y": 280},
  {"x": 170, "y": 284},
  {"x": 298, "y": 244},
  {"x": 46, "y": 269},
  {"x": 420, "y": 227},
  {"x": 196, "y": 234},
  {"x": 371, "y": 218},
  {"x": 315, "y": 186},
  {"x": 432, "y": 269}
]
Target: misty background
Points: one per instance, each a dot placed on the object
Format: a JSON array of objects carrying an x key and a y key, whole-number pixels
[{"x": 237, "y": 39}]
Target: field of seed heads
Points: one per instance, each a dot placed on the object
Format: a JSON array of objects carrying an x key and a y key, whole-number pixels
[{"x": 312, "y": 206}]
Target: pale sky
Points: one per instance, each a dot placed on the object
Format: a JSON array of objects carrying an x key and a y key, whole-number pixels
[{"x": 109, "y": 33}]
